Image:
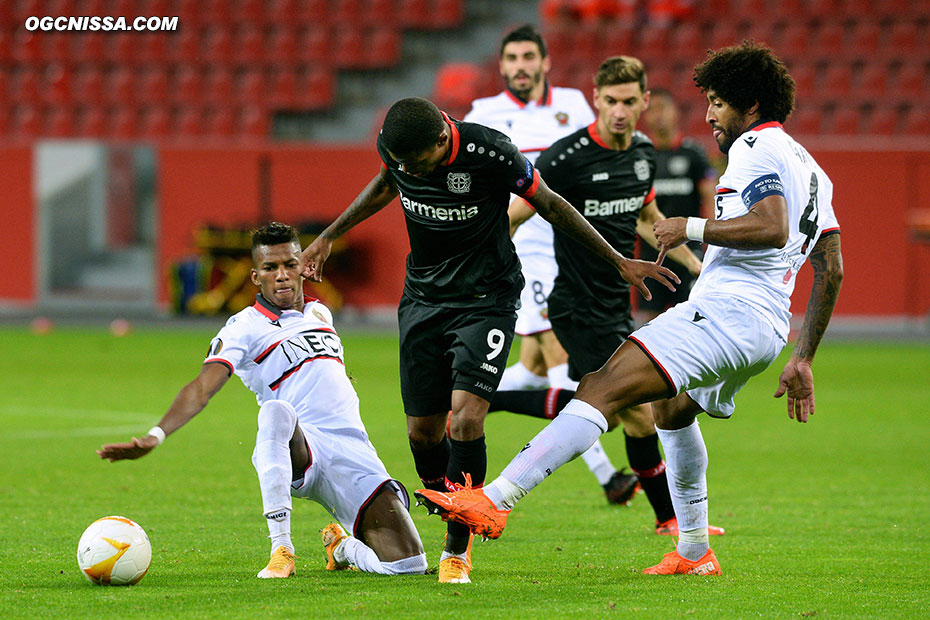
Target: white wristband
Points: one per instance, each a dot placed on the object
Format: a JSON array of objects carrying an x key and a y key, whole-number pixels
[
  {"x": 694, "y": 229},
  {"x": 158, "y": 434}
]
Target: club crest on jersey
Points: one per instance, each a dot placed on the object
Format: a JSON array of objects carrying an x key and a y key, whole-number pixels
[
  {"x": 562, "y": 118},
  {"x": 215, "y": 347},
  {"x": 641, "y": 169},
  {"x": 459, "y": 182}
]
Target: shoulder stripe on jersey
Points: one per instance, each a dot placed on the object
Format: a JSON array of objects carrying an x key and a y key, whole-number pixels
[
  {"x": 219, "y": 360},
  {"x": 455, "y": 138},
  {"x": 650, "y": 196},
  {"x": 261, "y": 356},
  {"x": 766, "y": 126},
  {"x": 725, "y": 190},
  {"x": 664, "y": 373},
  {"x": 274, "y": 385},
  {"x": 831, "y": 231},
  {"x": 533, "y": 186}
]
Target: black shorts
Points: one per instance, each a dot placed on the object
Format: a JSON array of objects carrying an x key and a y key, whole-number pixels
[
  {"x": 588, "y": 347},
  {"x": 446, "y": 349}
]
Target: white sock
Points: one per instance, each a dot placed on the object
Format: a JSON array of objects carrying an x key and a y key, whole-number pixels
[
  {"x": 686, "y": 469},
  {"x": 572, "y": 432},
  {"x": 356, "y": 553},
  {"x": 599, "y": 463},
  {"x": 558, "y": 378},
  {"x": 519, "y": 377},
  {"x": 272, "y": 461}
]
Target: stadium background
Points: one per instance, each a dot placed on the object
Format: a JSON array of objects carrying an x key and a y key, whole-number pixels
[{"x": 119, "y": 149}]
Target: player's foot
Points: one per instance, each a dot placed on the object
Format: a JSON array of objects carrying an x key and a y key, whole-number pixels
[
  {"x": 469, "y": 506},
  {"x": 280, "y": 566},
  {"x": 621, "y": 487},
  {"x": 674, "y": 564},
  {"x": 332, "y": 535},
  {"x": 471, "y": 539},
  {"x": 670, "y": 528},
  {"x": 454, "y": 570}
]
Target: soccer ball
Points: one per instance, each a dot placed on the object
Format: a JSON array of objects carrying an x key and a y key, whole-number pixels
[{"x": 114, "y": 551}]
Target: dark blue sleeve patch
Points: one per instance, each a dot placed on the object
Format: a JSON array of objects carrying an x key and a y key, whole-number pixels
[{"x": 766, "y": 185}]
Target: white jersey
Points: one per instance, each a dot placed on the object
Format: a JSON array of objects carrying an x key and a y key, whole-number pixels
[
  {"x": 533, "y": 127},
  {"x": 292, "y": 356},
  {"x": 766, "y": 161}
]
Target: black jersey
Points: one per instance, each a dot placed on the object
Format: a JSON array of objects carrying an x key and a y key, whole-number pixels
[
  {"x": 460, "y": 248},
  {"x": 609, "y": 188}
]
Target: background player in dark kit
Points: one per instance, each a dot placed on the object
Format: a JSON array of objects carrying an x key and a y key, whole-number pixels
[
  {"x": 463, "y": 279},
  {"x": 606, "y": 172},
  {"x": 684, "y": 187}
]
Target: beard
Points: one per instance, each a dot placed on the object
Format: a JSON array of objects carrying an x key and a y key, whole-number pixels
[{"x": 524, "y": 93}]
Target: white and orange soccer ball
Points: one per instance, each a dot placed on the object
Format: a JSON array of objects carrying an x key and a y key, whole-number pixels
[{"x": 114, "y": 551}]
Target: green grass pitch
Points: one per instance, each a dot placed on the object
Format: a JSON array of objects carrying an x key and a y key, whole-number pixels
[{"x": 827, "y": 519}]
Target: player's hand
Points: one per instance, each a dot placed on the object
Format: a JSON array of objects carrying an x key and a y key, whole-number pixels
[
  {"x": 134, "y": 449},
  {"x": 670, "y": 233},
  {"x": 313, "y": 257},
  {"x": 797, "y": 380},
  {"x": 636, "y": 271}
]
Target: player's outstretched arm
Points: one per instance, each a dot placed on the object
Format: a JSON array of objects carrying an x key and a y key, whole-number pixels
[
  {"x": 648, "y": 216},
  {"x": 377, "y": 194},
  {"x": 765, "y": 226},
  {"x": 190, "y": 401},
  {"x": 797, "y": 379},
  {"x": 558, "y": 212}
]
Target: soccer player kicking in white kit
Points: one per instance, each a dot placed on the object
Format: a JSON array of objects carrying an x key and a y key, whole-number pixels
[
  {"x": 773, "y": 211},
  {"x": 533, "y": 115},
  {"x": 311, "y": 442}
]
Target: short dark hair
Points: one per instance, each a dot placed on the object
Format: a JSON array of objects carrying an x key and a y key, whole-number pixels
[
  {"x": 411, "y": 126},
  {"x": 620, "y": 70},
  {"x": 526, "y": 32},
  {"x": 274, "y": 233},
  {"x": 746, "y": 74}
]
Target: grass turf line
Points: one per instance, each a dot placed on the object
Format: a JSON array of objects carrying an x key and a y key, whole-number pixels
[{"x": 825, "y": 519}]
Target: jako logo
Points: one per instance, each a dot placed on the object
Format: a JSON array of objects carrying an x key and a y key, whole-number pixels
[
  {"x": 600, "y": 176},
  {"x": 491, "y": 369}
]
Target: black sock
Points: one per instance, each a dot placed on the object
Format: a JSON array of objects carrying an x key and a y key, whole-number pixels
[
  {"x": 431, "y": 464},
  {"x": 537, "y": 403},
  {"x": 646, "y": 460},
  {"x": 464, "y": 457}
]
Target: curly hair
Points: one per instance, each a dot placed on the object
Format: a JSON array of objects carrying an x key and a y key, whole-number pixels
[
  {"x": 412, "y": 125},
  {"x": 748, "y": 73}
]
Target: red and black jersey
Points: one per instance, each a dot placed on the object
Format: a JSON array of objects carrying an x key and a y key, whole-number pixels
[
  {"x": 609, "y": 188},
  {"x": 460, "y": 248}
]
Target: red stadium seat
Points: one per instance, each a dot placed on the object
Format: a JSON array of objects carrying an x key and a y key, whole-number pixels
[
  {"x": 917, "y": 121},
  {"x": 381, "y": 13},
  {"x": 56, "y": 47},
  {"x": 618, "y": 39},
  {"x": 687, "y": 41},
  {"x": 26, "y": 46},
  {"x": 804, "y": 80},
  {"x": 383, "y": 48},
  {"x": 155, "y": 123},
  {"x": 254, "y": 122},
  {"x": 185, "y": 85},
  {"x": 457, "y": 85},
  {"x": 806, "y": 121},
  {"x": 827, "y": 40},
  {"x": 345, "y": 12},
  {"x": 313, "y": 12},
  {"x": 91, "y": 123},
  {"x": 217, "y": 45},
  {"x": 281, "y": 12},
  {"x": 59, "y": 123},
  {"x": 26, "y": 122},
  {"x": 250, "y": 46},
  {"x": 314, "y": 45},
  {"x": 447, "y": 13},
  {"x": 121, "y": 87},
  {"x": 284, "y": 89},
  {"x": 845, "y": 121},
  {"x": 152, "y": 47},
  {"x": 725, "y": 34},
  {"x": 123, "y": 124},
  {"x": 184, "y": 46},
  {"x": 349, "y": 48},
  {"x": 795, "y": 41},
  {"x": 653, "y": 42},
  {"x": 884, "y": 120},
  {"x": 315, "y": 89},
  {"x": 26, "y": 86},
  {"x": 865, "y": 39},
  {"x": 120, "y": 49},
  {"x": 282, "y": 45},
  {"x": 903, "y": 37},
  {"x": 58, "y": 87},
  {"x": 6, "y": 49},
  {"x": 88, "y": 85},
  {"x": 218, "y": 87},
  {"x": 188, "y": 122},
  {"x": 835, "y": 85},
  {"x": 155, "y": 85},
  {"x": 253, "y": 12},
  {"x": 872, "y": 82},
  {"x": 221, "y": 122},
  {"x": 911, "y": 81},
  {"x": 251, "y": 87},
  {"x": 414, "y": 13}
]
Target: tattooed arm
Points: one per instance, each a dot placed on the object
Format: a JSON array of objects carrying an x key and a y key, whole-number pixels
[
  {"x": 558, "y": 212},
  {"x": 377, "y": 194},
  {"x": 797, "y": 379}
]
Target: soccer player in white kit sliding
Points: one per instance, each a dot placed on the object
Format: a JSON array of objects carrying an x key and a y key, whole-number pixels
[
  {"x": 534, "y": 114},
  {"x": 311, "y": 442},
  {"x": 773, "y": 210}
]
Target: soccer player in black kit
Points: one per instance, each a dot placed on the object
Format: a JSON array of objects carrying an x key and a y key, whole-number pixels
[
  {"x": 457, "y": 313},
  {"x": 606, "y": 171}
]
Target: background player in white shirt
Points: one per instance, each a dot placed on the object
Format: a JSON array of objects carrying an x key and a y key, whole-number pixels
[
  {"x": 311, "y": 442},
  {"x": 534, "y": 114},
  {"x": 773, "y": 210}
]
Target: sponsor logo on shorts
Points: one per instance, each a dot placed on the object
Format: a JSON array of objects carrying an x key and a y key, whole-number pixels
[
  {"x": 491, "y": 369},
  {"x": 482, "y": 386}
]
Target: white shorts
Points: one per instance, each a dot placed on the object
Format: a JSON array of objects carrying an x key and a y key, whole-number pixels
[
  {"x": 344, "y": 475},
  {"x": 533, "y": 316},
  {"x": 709, "y": 347}
]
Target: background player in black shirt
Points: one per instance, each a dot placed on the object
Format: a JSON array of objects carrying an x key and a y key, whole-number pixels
[
  {"x": 684, "y": 187},
  {"x": 458, "y": 309},
  {"x": 606, "y": 172}
]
